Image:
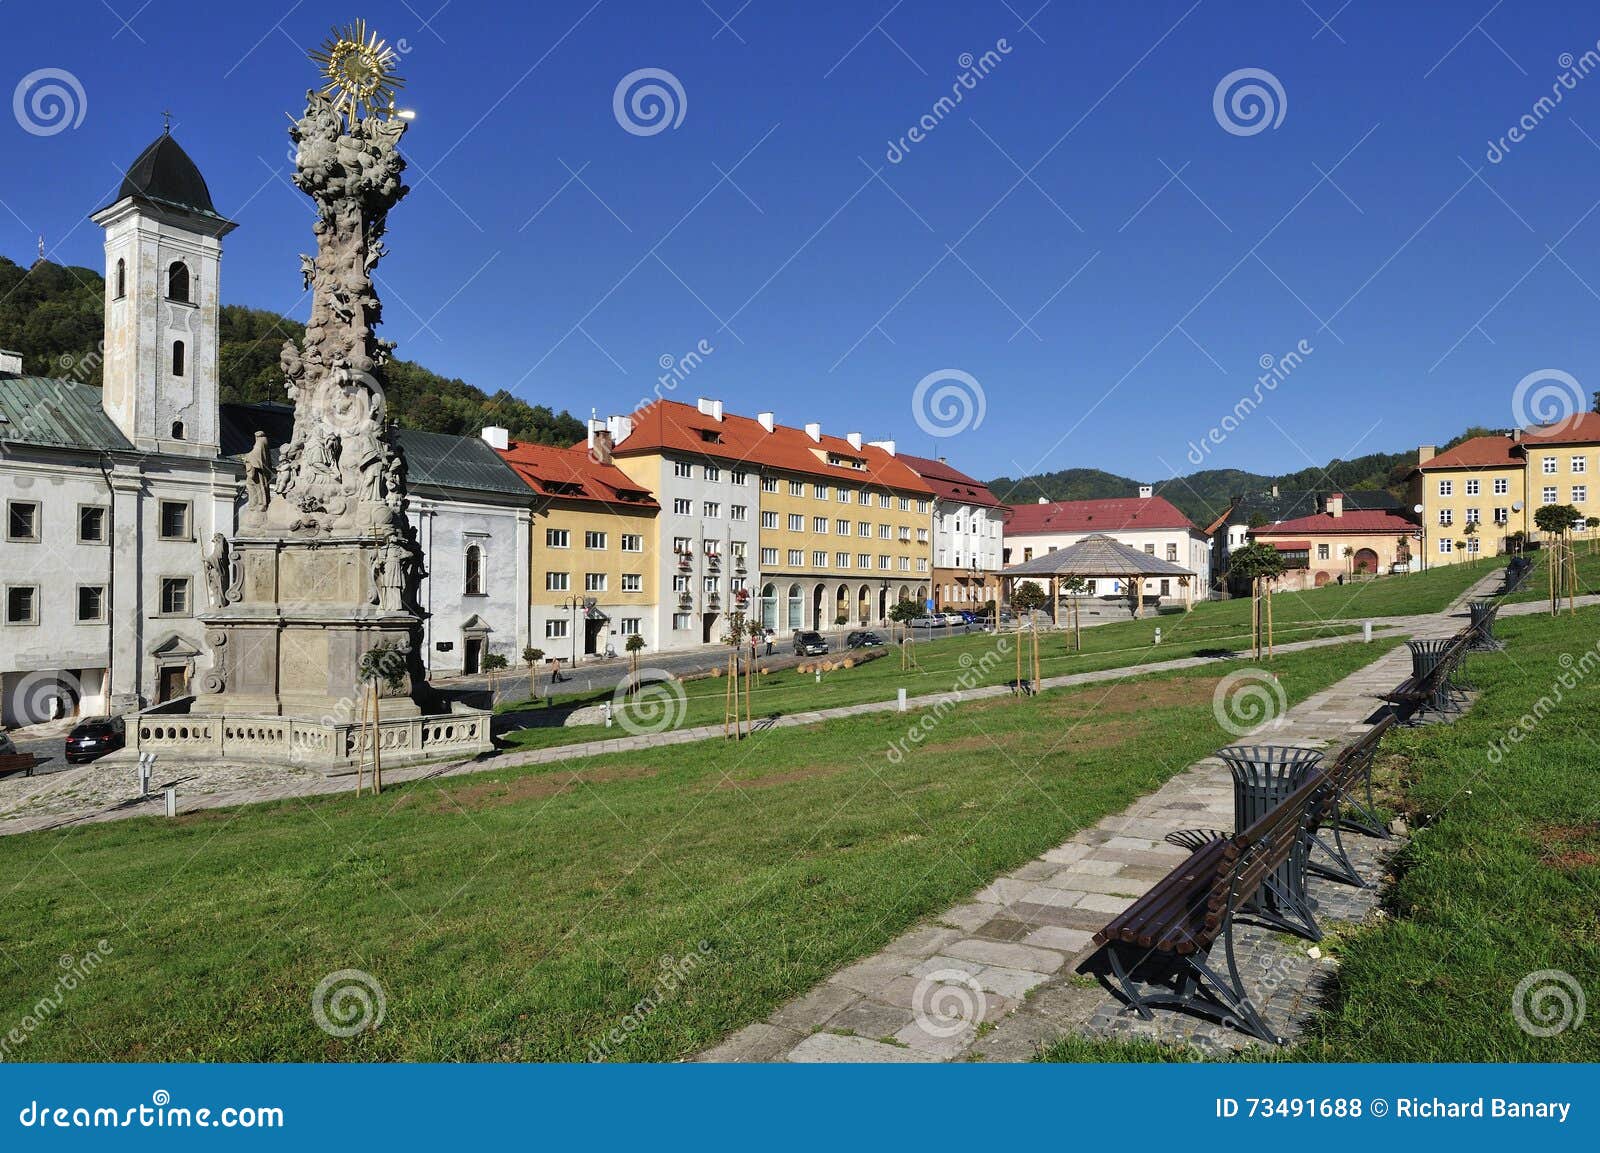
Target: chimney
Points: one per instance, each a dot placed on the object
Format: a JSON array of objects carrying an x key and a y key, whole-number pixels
[
  {"x": 1516, "y": 434},
  {"x": 711, "y": 408},
  {"x": 886, "y": 445},
  {"x": 1044, "y": 500},
  {"x": 1426, "y": 452},
  {"x": 11, "y": 362},
  {"x": 1274, "y": 492},
  {"x": 814, "y": 431},
  {"x": 766, "y": 420},
  {"x": 1146, "y": 491},
  {"x": 1336, "y": 505},
  {"x": 855, "y": 440},
  {"x": 600, "y": 446},
  {"x": 620, "y": 428},
  {"x": 496, "y": 437}
]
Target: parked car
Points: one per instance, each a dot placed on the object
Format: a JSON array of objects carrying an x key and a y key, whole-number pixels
[
  {"x": 809, "y": 644},
  {"x": 863, "y": 639},
  {"x": 935, "y": 622},
  {"x": 95, "y": 737},
  {"x": 970, "y": 618}
]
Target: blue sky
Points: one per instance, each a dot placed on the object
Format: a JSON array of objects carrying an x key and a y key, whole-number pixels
[{"x": 1080, "y": 236}]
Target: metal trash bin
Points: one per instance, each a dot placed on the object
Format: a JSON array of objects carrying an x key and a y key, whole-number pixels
[
  {"x": 1425, "y": 658},
  {"x": 1263, "y": 776}
]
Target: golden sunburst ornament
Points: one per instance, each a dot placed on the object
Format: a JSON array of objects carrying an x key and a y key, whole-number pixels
[{"x": 359, "y": 68}]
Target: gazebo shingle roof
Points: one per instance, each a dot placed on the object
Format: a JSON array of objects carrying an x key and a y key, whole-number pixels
[{"x": 1097, "y": 555}]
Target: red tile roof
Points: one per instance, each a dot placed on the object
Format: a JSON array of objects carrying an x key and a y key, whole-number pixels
[
  {"x": 1479, "y": 452},
  {"x": 949, "y": 483},
  {"x": 572, "y": 474},
  {"x": 1581, "y": 429},
  {"x": 1291, "y": 545},
  {"x": 670, "y": 425},
  {"x": 1364, "y": 521},
  {"x": 1116, "y": 514}
]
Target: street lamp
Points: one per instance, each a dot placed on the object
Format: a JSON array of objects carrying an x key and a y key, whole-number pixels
[{"x": 1422, "y": 536}]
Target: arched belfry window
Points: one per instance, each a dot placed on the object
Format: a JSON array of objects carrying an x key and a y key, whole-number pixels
[
  {"x": 178, "y": 282},
  {"x": 122, "y": 279},
  {"x": 177, "y": 430},
  {"x": 474, "y": 571},
  {"x": 177, "y": 358}
]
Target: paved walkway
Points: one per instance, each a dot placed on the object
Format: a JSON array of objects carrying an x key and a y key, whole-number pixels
[{"x": 993, "y": 979}]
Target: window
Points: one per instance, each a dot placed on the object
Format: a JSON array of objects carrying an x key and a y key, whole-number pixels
[
  {"x": 863, "y": 528},
  {"x": 769, "y": 484},
  {"x": 738, "y": 476},
  {"x": 713, "y": 473},
  {"x": 1172, "y": 552},
  {"x": 1502, "y": 515},
  {"x": 680, "y": 621},
  {"x": 1322, "y": 552},
  {"x": 922, "y": 506},
  {"x": 842, "y": 559},
  {"x": 712, "y": 584},
  {"x": 630, "y": 626},
  {"x": 22, "y": 521},
  {"x": 863, "y": 560},
  {"x": 819, "y": 559},
  {"x": 1472, "y": 487},
  {"x": 174, "y": 520},
  {"x": 174, "y": 596},
  {"x": 178, "y": 282},
  {"x": 884, "y": 500},
  {"x": 1446, "y": 517},
  {"x": 474, "y": 569},
  {"x": 738, "y": 512},
  {"x": 819, "y": 491},
  {"x": 557, "y": 582},
  {"x": 843, "y": 527},
  {"x": 1472, "y": 544},
  {"x": 797, "y": 557},
  {"x": 1550, "y": 464},
  {"x": 91, "y": 524},
  {"x": 1580, "y": 463},
  {"x": 1471, "y": 516},
  {"x": 91, "y": 604},
  {"x": 683, "y": 506},
  {"x": 845, "y": 495},
  {"x": 557, "y": 538},
  {"x": 594, "y": 582},
  {"x": 905, "y": 504},
  {"x": 797, "y": 488},
  {"x": 905, "y": 564},
  {"x": 797, "y": 522},
  {"x": 122, "y": 279},
  {"x": 177, "y": 430},
  {"x": 177, "y": 358},
  {"x": 555, "y": 630},
  {"x": 680, "y": 544},
  {"x": 712, "y": 509},
  {"x": 1446, "y": 545},
  {"x": 769, "y": 556},
  {"x": 819, "y": 524},
  {"x": 769, "y": 520},
  {"x": 682, "y": 468},
  {"x": 680, "y": 583},
  {"x": 1502, "y": 485},
  {"x": 594, "y": 540},
  {"x": 22, "y": 605},
  {"x": 1580, "y": 493},
  {"x": 1447, "y": 488},
  {"x": 632, "y": 542},
  {"x": 1149, "y": 549},
  {"x": 885, "y": 561},
  {"x": 885, "y": 532},
  {"x": 632, "y": 582},
  {"x": 1550, "y": 494}
]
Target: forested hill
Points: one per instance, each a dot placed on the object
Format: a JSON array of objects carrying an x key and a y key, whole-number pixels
[{"x": 49, "y": 312}]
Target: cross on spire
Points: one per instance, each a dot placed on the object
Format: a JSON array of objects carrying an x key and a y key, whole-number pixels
[{"x": 166, "y": 125}]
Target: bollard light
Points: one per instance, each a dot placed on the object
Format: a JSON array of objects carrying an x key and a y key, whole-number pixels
[
  {"x": 172, "y": 800},
  {"x": 902, "y": 700},
  {"x": 608, "y": 714},
  {"x": 1158, "y": 636},
  {"x": 1366, "y": 632}
]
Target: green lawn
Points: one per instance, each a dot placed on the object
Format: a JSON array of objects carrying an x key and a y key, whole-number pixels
[
  {"x": 521, "y": 914},
  {"x": 1537, "y": 587},
  {"x": 1502, "y": 881},
  {"x": 1213, "y": 628}
]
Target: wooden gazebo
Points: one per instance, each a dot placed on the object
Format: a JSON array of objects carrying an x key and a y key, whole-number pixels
[{"x": 1098, "y": 556}]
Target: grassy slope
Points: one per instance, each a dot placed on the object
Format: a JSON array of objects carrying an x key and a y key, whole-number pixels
[
  {"x": 1503, "y": 881},
  {"x": 1537, "y": 587},
  {"x": 521, "y": 915}
]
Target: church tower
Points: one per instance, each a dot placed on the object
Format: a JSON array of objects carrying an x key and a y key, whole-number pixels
[{"x": 163, "y": 257}]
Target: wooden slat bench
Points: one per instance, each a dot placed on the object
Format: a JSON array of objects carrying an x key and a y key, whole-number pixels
[
  {"x": 1158, "y": 952},
  {"x": 23, "y": 763}
]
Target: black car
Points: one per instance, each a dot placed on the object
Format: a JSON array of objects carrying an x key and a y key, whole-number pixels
[
  {"x": 809, "y": 644},
  {"x": 863, "y": 639},
  {"x": 95, "y": 737}
]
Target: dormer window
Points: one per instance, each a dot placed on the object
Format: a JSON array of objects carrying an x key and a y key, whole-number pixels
[
  {"x": 710, "y": 436},
  {"x": 178, "y": 282},
  {"x": 121, "y": 282}
]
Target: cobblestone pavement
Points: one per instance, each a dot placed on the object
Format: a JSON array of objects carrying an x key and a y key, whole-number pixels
[{"x": 993, "y": 979}]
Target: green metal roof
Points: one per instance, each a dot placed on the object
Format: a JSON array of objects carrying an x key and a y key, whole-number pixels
[
  {"x": 433, "y": 459},
  {"x": 40, "y": 410}
]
